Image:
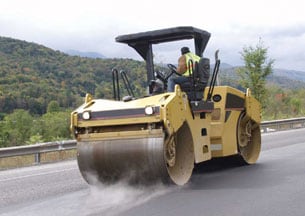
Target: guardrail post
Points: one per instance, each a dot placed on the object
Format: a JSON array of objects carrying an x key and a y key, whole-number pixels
[{"x": 37, "y": 158}]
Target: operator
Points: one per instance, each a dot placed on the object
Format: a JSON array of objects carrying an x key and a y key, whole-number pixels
[{"x": 183, "y": 68}]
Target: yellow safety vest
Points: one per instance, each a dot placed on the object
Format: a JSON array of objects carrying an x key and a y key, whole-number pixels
[{"x": 190, "y": 56}]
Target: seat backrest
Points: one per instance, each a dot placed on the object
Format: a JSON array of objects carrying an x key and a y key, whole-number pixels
[
  {"x": 197, "y": 82},
  {"x": 201, "y": 77},
  {"x": 202, "y": 72}
]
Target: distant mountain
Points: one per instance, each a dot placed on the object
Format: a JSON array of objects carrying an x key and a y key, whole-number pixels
[
  {"x": 291, "y": 74},
  {"x": 224, "y": 65},
  {"x": 288, "y": 79},
  {"x": 285, "y": 82},
  {"x": 84, "y": 54}
]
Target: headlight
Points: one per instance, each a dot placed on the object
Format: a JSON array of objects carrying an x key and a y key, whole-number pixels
[
  {"x": 149, "y": 110},
  {"x": 86, "y": 115}
]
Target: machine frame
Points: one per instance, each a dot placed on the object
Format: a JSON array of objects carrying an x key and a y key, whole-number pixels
[{"x": 162, "y": 136}]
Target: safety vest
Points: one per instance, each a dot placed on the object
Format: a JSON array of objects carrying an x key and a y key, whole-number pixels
[{"x": 190, "y": 56}]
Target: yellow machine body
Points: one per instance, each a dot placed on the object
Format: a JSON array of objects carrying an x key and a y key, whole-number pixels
[{"x": 208, "y": 132}]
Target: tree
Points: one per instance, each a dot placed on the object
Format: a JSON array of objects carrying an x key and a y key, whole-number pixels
[
  {"x": 35, "y": 139},
  {"x": 16, "y": 128},
  {"x": 257, "y": 67},
  {"x": 53, "y": 106},
  {"x": 276, "y": 103},
  {"x": 56, "y": 126}
]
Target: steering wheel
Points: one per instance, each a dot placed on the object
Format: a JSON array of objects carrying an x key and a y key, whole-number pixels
[
  {"x": 173, "y": 69},
  {"x": 161, "y": 76}
]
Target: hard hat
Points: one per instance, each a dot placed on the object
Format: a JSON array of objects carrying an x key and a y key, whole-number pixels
[{"x": 184, "y": 50}]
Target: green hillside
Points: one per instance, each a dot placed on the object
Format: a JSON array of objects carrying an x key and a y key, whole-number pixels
[{"x": 32, "y": 75}]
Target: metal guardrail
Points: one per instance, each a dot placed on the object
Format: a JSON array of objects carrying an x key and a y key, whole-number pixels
[
  {"x": 37, "y": 149},
  {"x": 283, "y": 124}
]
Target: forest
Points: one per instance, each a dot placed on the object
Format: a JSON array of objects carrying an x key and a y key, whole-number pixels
[{"x": 39, "y": 87}]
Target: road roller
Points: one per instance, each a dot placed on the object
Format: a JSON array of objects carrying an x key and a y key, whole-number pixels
[{"x": 161, "y": 136}]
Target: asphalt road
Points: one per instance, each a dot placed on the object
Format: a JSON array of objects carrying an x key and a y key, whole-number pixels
[{"x": 273, "y": 186}]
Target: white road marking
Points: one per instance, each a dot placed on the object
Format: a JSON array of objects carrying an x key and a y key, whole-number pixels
[{"x": 35, "y": 175}]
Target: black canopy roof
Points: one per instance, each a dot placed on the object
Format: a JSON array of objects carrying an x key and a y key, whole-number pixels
[
  {"x": 142, "y": 42},
  {"x": 139, "y": 40}
]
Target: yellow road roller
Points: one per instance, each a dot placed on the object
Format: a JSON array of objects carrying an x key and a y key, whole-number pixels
[{"x": 162, "y": 135}]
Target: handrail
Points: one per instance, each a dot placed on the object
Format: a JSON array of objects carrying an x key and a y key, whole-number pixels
[{"x": 37, "y": 149}]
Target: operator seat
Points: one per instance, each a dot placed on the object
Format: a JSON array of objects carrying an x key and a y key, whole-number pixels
[{"x": 194, "y": 87}]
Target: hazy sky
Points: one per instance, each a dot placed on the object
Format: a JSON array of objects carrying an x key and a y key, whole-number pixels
[{"x": 92, "y": 25}]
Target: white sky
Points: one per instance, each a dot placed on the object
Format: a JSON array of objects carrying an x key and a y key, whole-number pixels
[{"x": 92, "y": 25}]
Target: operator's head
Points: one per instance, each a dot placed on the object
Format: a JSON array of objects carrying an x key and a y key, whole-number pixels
[{"x": 184, "y": 50}]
